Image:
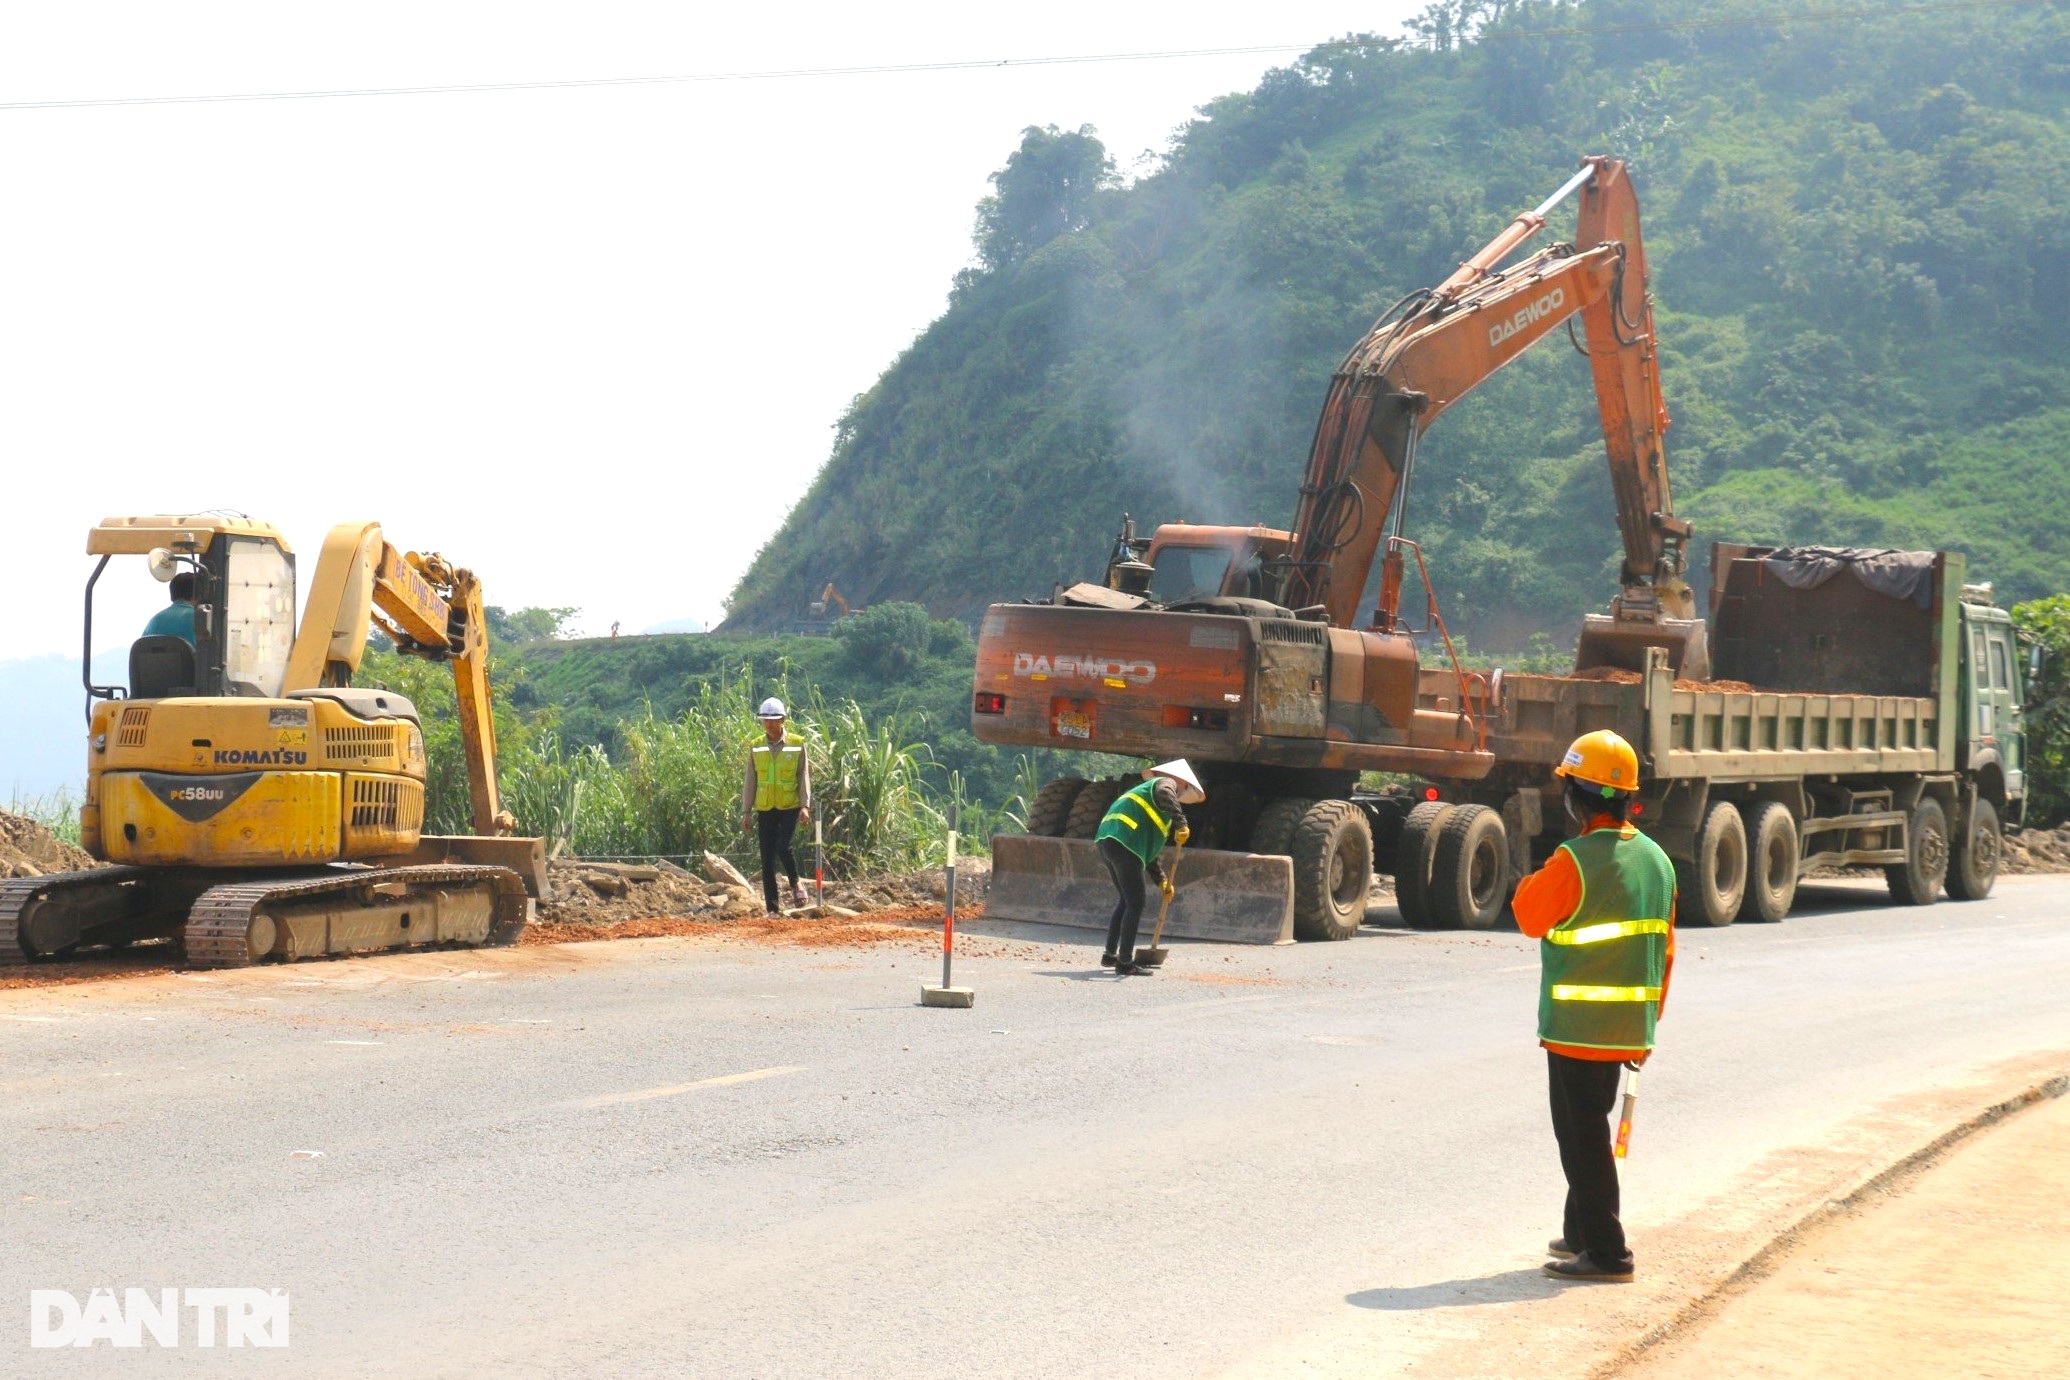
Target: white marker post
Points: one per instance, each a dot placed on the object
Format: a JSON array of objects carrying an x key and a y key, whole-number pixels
[{"x": 946, "y": 995}]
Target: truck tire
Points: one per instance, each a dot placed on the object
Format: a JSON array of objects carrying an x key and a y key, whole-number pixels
[
  {"x": 1917, "y": 880},
  {"x": 1091, "y": 806},
  {"x": 1772, "y": 854},
  {"x": 1973, "y": 864},
  {"x": 1414, "y": 858},
  {"x": 1713, "y": 883},
  {"x": 1469, "y": 876},
  {"x": 1333, "y": 870},
  {"x": 1274, "y": 831},
  {"x": 1051, "y": 811}
]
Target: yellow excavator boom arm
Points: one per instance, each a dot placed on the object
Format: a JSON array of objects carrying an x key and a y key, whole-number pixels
[{"x": 431, "y": 609}]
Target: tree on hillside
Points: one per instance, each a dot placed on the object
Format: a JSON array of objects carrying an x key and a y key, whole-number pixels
[
  {"x": 528, "y": 625},
  {"x": 1045, "y": 190}
]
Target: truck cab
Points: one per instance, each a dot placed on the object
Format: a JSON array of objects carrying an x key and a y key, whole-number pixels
[{"x": 1989, "y": 747}]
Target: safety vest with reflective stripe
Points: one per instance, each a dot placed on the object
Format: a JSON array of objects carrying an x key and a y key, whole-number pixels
[
  {"x": 1134, "y": 820},
  {"x": 1603, "y": 966},
  {"x": 776, "y": 773}
]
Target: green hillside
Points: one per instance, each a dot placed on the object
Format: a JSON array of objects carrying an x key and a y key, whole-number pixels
[{"x": 1860, "y": 233}]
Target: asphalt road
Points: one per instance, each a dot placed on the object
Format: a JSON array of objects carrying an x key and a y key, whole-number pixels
[{"x": 677, "y": 1157}]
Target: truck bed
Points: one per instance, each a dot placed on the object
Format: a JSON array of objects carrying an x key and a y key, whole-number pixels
[{"x": 1690, "y": 732}]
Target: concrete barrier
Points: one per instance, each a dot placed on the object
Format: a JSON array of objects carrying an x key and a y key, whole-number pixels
[{"x": 1238, "y": 898}]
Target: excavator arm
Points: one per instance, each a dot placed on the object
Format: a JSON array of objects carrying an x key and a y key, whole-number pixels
[
  {"x": 1436, "y": 346},
  {"x": 431, "y": 609}
]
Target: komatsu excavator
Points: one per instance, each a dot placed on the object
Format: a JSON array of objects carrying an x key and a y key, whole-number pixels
[
  {"x": 1241, "y": 649},
  {"x": 253, "y": 803}
]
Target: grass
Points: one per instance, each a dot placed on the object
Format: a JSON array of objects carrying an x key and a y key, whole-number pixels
[{"x": 57, "y": 811}]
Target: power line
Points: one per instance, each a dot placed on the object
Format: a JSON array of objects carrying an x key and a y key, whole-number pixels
[{"x": 978, "y": 64}]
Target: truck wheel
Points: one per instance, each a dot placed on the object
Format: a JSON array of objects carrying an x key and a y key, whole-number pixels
[
  {"x": 1414, "y": 858},
  {"x": 1469, "y": 877},
  {"x": 1274, "y": 831},
  {"x": 1713, "y": 883},
  {"x": 1333, "y": 870},
  {"x": 1917, "y": 880},
  {"x": 1973, "y": 866},
  {"x": 1091, "y": 807},
  {"x": 1051, "y": 811},
  {"x": 1772, "y": 852}
]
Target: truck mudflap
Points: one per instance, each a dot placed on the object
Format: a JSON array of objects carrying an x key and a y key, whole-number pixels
[{"x": 1236, "y": 898}]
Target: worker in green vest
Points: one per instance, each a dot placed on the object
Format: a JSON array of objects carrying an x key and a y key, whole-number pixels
[
  {"x": 777, "y": 798},
  {"x": 1133, "y": 832},
  {"x": 1603, "y": 911}
]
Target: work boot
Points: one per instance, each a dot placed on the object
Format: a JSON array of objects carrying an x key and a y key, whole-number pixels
[
  {"x": 1584, "y": 1268},
  {"x": 798, "y": 896},
  {"x": 1558, "y": 1247},
  {"x": 1133, "y": 970},
  {"x": 1110, "y": 960}
]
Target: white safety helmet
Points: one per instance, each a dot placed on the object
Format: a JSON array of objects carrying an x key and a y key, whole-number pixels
[
  {"x": 772, "y": 708},
  {"x": 1181, "y": 771}
]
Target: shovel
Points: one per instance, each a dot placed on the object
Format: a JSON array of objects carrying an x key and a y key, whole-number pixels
[{"x": 1153, "y": 957}]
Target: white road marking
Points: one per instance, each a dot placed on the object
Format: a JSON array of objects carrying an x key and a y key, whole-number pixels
[
  {"x": 39, "y": 1020},
  {"x": 1519, "y": 968},
  {"x": 676, "y": 1089},
  {"x": 352, "y": 1042}
]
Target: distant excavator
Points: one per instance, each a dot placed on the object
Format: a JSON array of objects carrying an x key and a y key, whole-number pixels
[
  {"x": 829, "y": 602},
  {"x": 256, "y": 806}
]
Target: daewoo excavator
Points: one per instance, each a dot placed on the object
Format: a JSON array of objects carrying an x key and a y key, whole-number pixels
[
  {"x": 1240, "y": 648},
  {"x": 253, "y": 803}
]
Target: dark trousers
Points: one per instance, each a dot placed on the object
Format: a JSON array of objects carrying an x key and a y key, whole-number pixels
[
  {"x": 774, "y": 830},
  {"x": 1584, "y": 1091},
  {"x": 1127, "y": 870}
]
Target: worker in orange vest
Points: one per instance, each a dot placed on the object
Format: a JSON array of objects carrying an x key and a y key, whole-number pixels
[{"x": 1603, "y": 911}]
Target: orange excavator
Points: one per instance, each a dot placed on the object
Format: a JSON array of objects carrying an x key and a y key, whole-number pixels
[{"x": 1240, "y": 648}]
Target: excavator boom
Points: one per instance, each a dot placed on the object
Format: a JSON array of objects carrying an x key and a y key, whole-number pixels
[
  {"x": 430, "y": 608},
  {"x": 1437, "y": 346}
]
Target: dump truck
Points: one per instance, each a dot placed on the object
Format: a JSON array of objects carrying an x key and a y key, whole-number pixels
[
  {"x": 1863, "y": 711},
  {"x": 1242, "y": 648},
  {"x": 254, "y": 804}
]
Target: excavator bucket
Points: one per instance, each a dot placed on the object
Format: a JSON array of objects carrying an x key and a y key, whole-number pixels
[
  {"x": 1622, "y": 643},
  {"x": 1237, "y": 898}
]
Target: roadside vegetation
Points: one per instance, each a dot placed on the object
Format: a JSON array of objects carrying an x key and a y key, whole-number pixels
[
  {"x": 2046, "y": 624},
  {"x": 637, "y": 747}
]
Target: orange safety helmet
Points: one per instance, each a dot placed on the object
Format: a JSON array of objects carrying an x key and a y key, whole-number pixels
[{"x": 1604, "y": 759}]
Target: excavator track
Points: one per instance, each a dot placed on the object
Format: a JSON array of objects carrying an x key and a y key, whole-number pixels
[
  {"x": 228, "y": 923},
  {"x": 18, "y": 894}
]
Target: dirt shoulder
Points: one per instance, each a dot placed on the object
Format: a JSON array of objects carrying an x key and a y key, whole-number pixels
[{"x": 1959, "y": 1271}]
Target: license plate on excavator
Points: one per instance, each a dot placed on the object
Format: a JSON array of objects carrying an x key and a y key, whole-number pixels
[{"x": 1073, "y": 719}]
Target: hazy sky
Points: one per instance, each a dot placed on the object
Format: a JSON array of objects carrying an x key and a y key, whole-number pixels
[{"x": 591, "y": 342}]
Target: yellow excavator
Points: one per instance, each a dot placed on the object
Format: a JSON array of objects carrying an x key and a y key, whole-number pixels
[{"x": 253, "y": 803}]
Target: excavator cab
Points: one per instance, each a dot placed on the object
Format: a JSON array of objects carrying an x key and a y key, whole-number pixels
[
  {"x": 242, "y": 578},
  {"x": 1194, "y": 564}
]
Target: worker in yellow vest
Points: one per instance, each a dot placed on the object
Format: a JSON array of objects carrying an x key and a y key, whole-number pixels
[
  {"x": 1133, "y": 832},
  {"x": 1603, "y": 911},
  {"x": 777, "y": 799}
]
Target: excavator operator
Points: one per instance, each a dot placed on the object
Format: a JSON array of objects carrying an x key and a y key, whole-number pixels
[
  {"x": 1603, "y": 911},
  {"x": 176, "y": 619},
  {"x": 1132, "y": 833}
]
